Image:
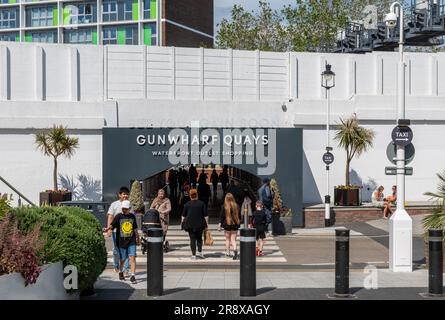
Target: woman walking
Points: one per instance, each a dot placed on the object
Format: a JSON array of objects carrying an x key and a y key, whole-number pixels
[
  {"x": 194, "y": 221},
  {"x": 230, "y": 221},
  {"x": 163, "y": 205}
]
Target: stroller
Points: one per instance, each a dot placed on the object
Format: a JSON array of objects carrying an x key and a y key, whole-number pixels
[{"x": 150, "y": 220}]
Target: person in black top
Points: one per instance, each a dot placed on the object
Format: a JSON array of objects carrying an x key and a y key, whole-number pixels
[
  {"x": 204, "y": 192},
  {"x": 173, "y": 183},
  {"x": 214, "y": 180},
  {"x": 193, "y": 174},
  {"x": 230, "y": 221},
  {"x": 194, "y": 221},
  {"x": 259, "y": 220},
  {"x": 127, "y": 238},
  {"x": 224, "y": 179}
]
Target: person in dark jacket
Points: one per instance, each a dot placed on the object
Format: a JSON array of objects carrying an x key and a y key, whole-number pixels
[
  {"x": 214, "y": 179},
  {"x": 194, "y": 221},
  {"x": 204, "y": 192},
  {"x": 259, "y": 220},
  {"x": 230, "y": 221}
]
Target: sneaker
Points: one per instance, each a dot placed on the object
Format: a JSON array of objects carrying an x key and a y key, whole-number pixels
[
  {"x": 193, "y": 257},
  {"x": 121, "y": 276},
  {"x": 127, "y": 273},
  {"x": 228, "y": 254},
  {"x": 260, "y": 254},
  {"x": 133, "y": 280},
  {"x": 200, "y": 255},
  {"x": 235, "y": 255}
]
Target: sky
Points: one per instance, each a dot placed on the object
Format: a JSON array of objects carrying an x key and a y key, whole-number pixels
[{"x": 222, "y": 7}]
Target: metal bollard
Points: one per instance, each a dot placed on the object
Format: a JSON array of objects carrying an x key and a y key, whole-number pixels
[
  {"x": 155, "y": 262},
  {"x": 342, "y": 262},
  {"x": 435, "y": 266},
  {"x": 247, "y": 263}
]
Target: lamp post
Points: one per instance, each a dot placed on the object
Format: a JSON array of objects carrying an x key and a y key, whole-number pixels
[
  {"x": 400, "y": 224},
  {"x": 327, "y": 82}
]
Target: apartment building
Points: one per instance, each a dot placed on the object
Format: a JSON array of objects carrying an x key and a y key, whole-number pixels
[{"x": 187, "y": 23}]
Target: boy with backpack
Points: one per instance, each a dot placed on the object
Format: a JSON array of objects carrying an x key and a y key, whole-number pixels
[
  {"x": 127, "y": 238},
  {"x": 259, "y": 220}
]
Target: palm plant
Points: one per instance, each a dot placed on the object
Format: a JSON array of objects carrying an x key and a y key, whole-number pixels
[
  {"x": 436, "y": 220},
  {"x": 354, "y": 139},
  {"x": 55, "y": 143}
]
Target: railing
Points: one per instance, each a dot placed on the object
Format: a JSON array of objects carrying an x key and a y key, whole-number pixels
[{"x": 18, "y": 193}]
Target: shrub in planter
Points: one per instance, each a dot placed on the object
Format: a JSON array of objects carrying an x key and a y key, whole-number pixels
[
  {"x": 72, "y": 235},
  {"x": 20, "y": 252}
]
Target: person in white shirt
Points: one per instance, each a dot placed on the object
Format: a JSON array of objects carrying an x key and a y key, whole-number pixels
[{"x": 114, "y": 210}]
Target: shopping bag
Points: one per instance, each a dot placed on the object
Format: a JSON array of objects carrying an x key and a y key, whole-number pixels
[{"x": 208, "y": 240}]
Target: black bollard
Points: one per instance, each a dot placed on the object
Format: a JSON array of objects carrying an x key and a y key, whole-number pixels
[
  {"x": 341, "y": 262},
  {"x": 247, "y": 263},
  {"x": 435, "y": 267},
  {"x": 155, "y": 262}
]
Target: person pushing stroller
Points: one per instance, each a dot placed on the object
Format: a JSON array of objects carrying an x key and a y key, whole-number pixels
[{"x": 163, "y": 205}]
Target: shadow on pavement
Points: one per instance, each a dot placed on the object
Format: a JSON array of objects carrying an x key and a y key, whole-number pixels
[{"x": 265, "y": 290}]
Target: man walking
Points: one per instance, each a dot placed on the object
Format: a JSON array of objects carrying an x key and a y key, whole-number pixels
[
  {"x": 266, "y": 197},
  {"x": 113, "y": 211}
]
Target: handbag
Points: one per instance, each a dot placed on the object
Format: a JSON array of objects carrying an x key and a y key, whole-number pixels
[{"x": 208, "y": 239}]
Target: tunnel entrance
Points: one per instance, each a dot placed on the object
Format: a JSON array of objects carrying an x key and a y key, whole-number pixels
[
  {"x": 175, "y": 179},
  {"x": 250, "y": 154}
]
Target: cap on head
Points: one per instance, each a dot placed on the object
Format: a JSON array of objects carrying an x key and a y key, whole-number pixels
[{"x": 126, "y": 204}]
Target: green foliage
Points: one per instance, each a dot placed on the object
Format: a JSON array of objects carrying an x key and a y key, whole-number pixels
[
  {"x": 306, "y": 25},
  {"x": 72, "y": 235},
  {"x": 55, "y": 143},
  {"x": 277, "y": 206},
  {"x": 5, "y": 204},
  {"x": 436, "y": 220},
  {"x": 136, "y": 199},
  {"x": 354, "y": 139}
]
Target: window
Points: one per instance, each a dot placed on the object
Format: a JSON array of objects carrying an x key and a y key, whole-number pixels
[
  {"x": 8, "y": 36},
  {"x": 131, "y": 35},
  {"x": 81, "y": 13},
  {"x": 41, "y": 16},
  {"x": 8, "y": 19},
  {"x": 110, "y": 35},
  {"x": 128, "y": 10},
  {"x": 109, "y": 11},
  {"x": 78, "y": 36},
  {"x": 49, "y": 37},
  {"x": 147, "y": 10}
]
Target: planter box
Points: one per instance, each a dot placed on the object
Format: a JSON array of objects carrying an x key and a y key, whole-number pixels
[
  {"x": 347, "y": 197},
  {"x": 53, "y": 198},
  {"x": 281, "y": 225},
  {"x": 49, "y": 285}
]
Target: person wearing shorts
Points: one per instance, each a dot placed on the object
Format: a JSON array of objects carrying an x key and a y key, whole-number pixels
[
  {"x": 127, "y": 238},
  {"x": 259, "y": 219}
]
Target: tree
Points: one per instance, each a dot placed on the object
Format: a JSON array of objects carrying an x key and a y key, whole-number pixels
[
  {"x": 436, "y": 220},
  {"x": 136, "y": 200},
  {"x": 56, "y": 143},
  {"x": 250, "y": 31},
  {"x": 307, "y": 25},
  {"x": 354, "y": 139}
]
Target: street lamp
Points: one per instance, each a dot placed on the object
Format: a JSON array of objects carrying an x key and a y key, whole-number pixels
[
  {"x": 400, "y": 224},
  {"x": 327, "y": 82}
]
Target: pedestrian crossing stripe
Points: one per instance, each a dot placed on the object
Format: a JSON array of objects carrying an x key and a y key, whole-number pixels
[{"x": 180, "y": 250}]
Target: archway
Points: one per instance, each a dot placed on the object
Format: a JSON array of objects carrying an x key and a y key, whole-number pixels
[{"x": 138, "y": 153}]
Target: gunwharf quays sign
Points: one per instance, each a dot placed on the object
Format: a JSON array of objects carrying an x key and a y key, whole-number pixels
[{"x": 139, "y": 153}]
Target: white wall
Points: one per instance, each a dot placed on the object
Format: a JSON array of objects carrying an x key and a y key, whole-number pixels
[
  {"x": 90, "y": 87},
  {"x": 29, "y": 171}
]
